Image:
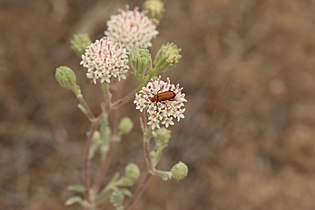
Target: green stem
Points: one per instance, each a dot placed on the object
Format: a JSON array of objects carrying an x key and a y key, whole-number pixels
[
  {"x": 165, "y": 175},
  {"x": 86, "y": 109},
  {"x": 86, "y": 161},
  {"x": 124, "y": 99},
  {"x": 146, "y": 150},
  {"x": 107, "y": 97},
  {"x": 138, "y": 192},
  {"x": 102, "y": 170}
]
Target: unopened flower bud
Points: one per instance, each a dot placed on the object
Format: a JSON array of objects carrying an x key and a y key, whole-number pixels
[
  {"x": 141, "y": 62},
  {"x": 155, "y": 9},
  {"x": 162, "y": 136},
  {"x": 125, "y": 125},
  {"x": 167, "y": 57},
  {"x": 132, "y": 171},
  {"x": 179, "y": 171},
  {"x": 66, "y": 78},
  {"x": 79, "y": 43}
]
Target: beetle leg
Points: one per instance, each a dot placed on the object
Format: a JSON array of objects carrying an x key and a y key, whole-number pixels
[
  {"x": 163, "y": 102},
  {"x": 156, "y": 103}
]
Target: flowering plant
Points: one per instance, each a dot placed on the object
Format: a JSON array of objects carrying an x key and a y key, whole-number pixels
[{"x": 122, "y": 52}]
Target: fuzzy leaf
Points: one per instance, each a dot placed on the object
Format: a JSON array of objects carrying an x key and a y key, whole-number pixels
[
  {"x": 115, "y": 177},
  {"x": 76, "y": 188},
  {"x": 117, "y": 199},
  {"x": 104, "y": 130},
  {"x": 126, "y": 192},
  {"x": 93, "y": 149},
  {"x": 104, "y": 196},
  {"x": 74, "y": 200}
]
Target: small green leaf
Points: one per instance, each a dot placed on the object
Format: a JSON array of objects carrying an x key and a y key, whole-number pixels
[
  {"x": 116, "y": 138},
  {"x": 74, "y": 200},
  {"x": 93, "y": 150},
  {"x": 104, "y": 149},
  {"x": 76, "y": 188},
  {"x": 95, "y": 144},
  {"x": 104, "y": 196},
  {"x": 104, "y": 130},
  {"x": 117, "y": 199},
  {"x": 115, "y": 178},
  {"x": 126, "y": 192}
]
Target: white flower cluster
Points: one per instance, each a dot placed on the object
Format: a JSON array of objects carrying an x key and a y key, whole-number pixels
[
  {"x": 105, "y": 59},
  {"x": 132, "y": 28},
  {"x": 161, "y": 112}
]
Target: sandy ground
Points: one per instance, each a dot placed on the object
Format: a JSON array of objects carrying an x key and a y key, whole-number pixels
[{"x": 248, "y": 73}]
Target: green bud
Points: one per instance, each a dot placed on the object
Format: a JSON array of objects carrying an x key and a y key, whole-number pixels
[
  {"x": 141, "y": 62},
  {"x": 79, "y": 43},
  {"x": 132, "y": 172},
  {"x": 179, "y": 171},
  {"x": 167, "y": 57},
  {"x": 67, "y": 79},
  {"x": 155, "y": 9},
  {"x": 125, "y": 125},
  {"x": 162, "y": 136}
]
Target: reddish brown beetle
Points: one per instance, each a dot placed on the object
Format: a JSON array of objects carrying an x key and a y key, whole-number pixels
[{"x": 163, "y": 96}]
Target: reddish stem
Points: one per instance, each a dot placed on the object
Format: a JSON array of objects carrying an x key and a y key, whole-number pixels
[
  {"x": 124, "y": 100},
  {"x": 102, "y": 171},
  {"x": 86, "y": 161},
  {"x": 146, "y": 151},
  {"x": 138, "y": 192}
]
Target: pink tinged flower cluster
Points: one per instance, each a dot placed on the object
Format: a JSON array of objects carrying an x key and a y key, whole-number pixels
[
  {"x": 161, "y": 112},
  {"x": 132, "y": 28},
  {"x": 105, "y": 59}
]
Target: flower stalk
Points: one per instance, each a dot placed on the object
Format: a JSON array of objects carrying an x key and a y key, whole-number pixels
[
  {"x": 84, "y": 107},
  {"x": 107, "y": 96},
  {"x": 147, "y": 135},
  {"x": 95, "y": 122}
]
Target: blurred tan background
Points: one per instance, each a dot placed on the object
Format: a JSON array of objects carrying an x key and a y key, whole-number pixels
[{"x": 248, "y": 73}]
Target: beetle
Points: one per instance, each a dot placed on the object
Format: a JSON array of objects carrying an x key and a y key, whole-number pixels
[{"x": 163, "y": 96}]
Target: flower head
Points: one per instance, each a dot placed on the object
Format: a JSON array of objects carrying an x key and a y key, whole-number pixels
[
  {"x": 161, "y": 112},
  {"x": 104, "y": 59},
  {"x": 132, "y": 28}
]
